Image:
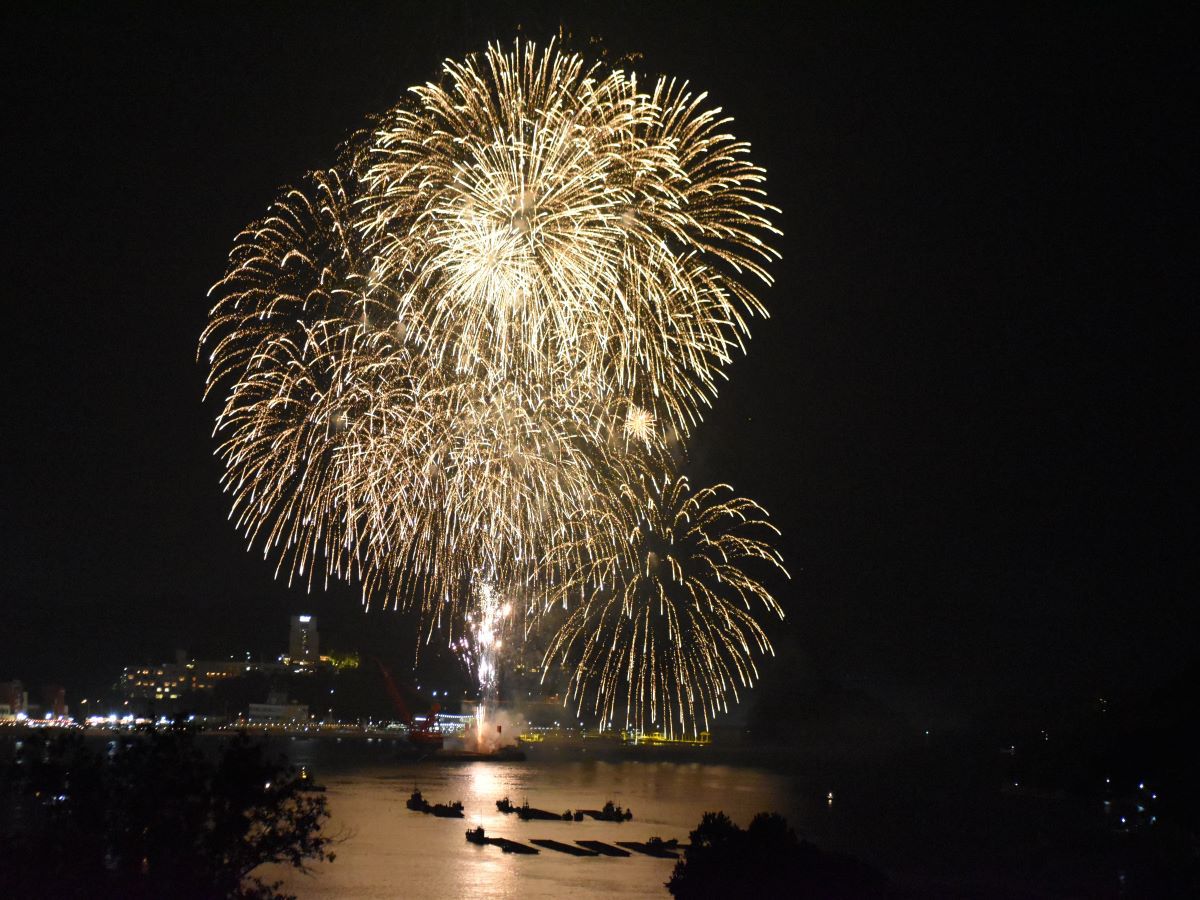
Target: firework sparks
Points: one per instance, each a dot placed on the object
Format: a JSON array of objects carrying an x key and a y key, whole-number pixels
[
  {"x": 640, "y": 425},
  {"x": 439, "y": 360},
  {"x": 487, "y": 627},
  {"x": 661, "y": 630},
  {"x": 553, "y": 219}
]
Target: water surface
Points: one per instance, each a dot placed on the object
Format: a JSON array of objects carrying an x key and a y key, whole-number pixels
[{"x": 389, "y": 850}]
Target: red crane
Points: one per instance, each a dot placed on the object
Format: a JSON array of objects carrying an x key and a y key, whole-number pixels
[{"x": 421, "y": 734}]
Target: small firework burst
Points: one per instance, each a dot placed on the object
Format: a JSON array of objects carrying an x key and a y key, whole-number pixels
[{"x": 662, "y": 627}]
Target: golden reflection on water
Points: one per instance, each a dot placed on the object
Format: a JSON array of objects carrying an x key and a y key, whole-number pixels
[
  {"x": 485, "y": 782},
  {"x": 390, "y": 851}
]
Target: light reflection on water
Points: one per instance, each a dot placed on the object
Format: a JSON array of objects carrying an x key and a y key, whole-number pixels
[{"x": 390, "y": 851}]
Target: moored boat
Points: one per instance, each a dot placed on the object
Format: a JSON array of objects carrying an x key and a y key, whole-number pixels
[
  {"x": 610, "y": 813},
  {"x": 527, "y": 812},
  {"x": 417, "y": 803},
  {"x": 305, "y": 780}
]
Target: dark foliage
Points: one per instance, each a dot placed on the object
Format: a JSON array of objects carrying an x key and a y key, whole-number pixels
[
  {"x": 151, "y": 816},
  {"x": 766, "y": 860}
]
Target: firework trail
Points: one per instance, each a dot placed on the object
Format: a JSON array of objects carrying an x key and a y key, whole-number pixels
[{"x": 487, "y": 627}]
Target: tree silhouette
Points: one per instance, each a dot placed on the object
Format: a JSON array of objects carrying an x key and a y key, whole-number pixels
[
  {"x": 766, "y": 860},
  {"x": 152, "y": 816}
]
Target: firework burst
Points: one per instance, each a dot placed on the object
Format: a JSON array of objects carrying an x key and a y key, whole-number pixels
[
  {"x": 554, "y": 220},
  {"x": 437, "y": 362},
  {"x": 661, "y": 629}
]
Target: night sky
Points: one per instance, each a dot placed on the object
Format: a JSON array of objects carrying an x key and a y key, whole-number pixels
[{"x": 968, "y": 412}]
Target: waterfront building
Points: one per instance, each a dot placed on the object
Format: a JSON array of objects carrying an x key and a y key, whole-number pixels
[
  {"x": 162, "y": 687},
  {"x": 277, "y": 713},
  {"x": 14, "y": 699}
]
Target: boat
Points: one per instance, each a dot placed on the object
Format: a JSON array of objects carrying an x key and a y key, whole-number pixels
[
  {"x": 654, "y": 847},
  {"x": 448, "y": 810},
  {"x": 477, "y": 836},
  {"x": 505, "y": 806},
  {"x": 304, "y": 781},
  {"x": 417, "y": 803},
  {"x": 424, "y": 738},
  {"x": 610, "y": 813},
  {"x": 527, "y": 812}
]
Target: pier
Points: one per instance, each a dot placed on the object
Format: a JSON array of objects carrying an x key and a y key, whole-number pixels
[
  {"x": 603, "y": 849},
  {"x": 655, "y": 846},
  {"x": 569, "y": 849}
]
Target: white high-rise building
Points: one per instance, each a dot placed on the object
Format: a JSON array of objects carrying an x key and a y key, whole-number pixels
[{"x": 304, "y": 644}]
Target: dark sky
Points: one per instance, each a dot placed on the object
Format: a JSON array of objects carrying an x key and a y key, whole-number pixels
[{"x": 968, "y": 412}]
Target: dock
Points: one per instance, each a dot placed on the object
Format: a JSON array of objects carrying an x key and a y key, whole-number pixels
[
  {"x": 512, "y": 846},
  {"x": 525, "y": 813},
  {"x": 603, "y": 849},
  {"x": 610, "y": 813},
  {"x": 569, "y": 849},
  {"x": 660, "y": 852},
  {"x": 655, "y": 846}
]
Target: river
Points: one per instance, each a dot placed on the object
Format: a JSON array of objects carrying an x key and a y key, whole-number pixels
[
  {"x": 388, "y": 850},
  {"x": 939, "y": 824}
]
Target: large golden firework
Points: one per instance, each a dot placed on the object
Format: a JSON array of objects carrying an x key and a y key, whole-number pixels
[
  {"x": 540, "y": 216},
  {"x": 515, "y": 292}
]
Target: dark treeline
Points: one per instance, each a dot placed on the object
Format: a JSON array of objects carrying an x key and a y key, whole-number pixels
[
  {"x": 767, "y": 859},
  {"x": 151, "y": 815}
]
